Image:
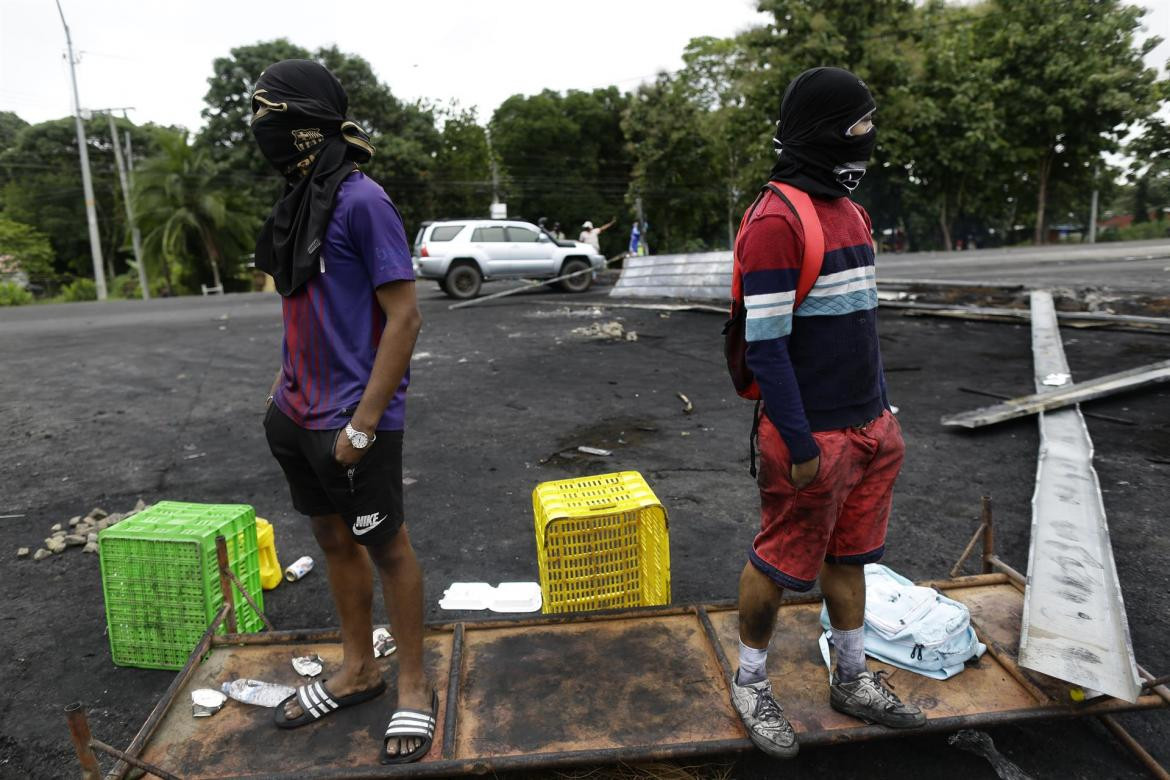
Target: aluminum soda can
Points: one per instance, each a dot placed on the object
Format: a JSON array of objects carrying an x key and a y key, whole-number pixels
[{"x": 299, "y": 568}]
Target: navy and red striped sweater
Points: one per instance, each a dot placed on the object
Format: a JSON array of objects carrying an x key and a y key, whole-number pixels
[{"x": 818, "y": 367}]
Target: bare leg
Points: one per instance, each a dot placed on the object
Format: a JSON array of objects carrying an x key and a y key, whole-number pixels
[
  {"x": 402, "y": 589},
  {"x": 351, "y": 582},
  {"x": 759, "y": 600},
  {"x": 843, "y": 586}
]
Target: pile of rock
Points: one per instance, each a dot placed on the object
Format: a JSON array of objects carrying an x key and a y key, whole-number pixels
[{"x": 79, "y": 532}]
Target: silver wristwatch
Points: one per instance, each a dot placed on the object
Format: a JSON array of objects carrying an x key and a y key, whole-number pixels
[{"x": 357, "y": 439}]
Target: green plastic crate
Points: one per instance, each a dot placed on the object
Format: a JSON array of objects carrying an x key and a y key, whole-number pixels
[{"x": 160, "y": 578}]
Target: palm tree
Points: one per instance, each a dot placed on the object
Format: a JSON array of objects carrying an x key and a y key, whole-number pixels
[{"x": 189, "y": 210}]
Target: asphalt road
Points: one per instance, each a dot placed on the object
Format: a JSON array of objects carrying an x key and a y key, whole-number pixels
[
  {"x": 105, "y": 403},
  {"x": 1132, "y": 266}
]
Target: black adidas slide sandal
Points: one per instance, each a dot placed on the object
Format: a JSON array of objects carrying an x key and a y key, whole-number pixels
[
  {"x": 316, "y": 702},
  {"x": 411, "y": 723}
]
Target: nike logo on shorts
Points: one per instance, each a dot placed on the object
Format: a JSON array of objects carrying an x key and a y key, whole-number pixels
[{"x": 366, "y": 523}]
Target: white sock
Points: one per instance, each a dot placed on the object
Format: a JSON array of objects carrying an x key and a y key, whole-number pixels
[
  {"x": 850, "y": 653},
  {"x": 752, "y": 663}
]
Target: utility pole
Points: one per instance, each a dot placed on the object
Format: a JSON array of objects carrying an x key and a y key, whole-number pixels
[
  {"x": 498, "y": 210},
  {"x": 135, "y": 236},
  {"x": 95, "y": 244},
  {"x": 1093, "y": 218}
]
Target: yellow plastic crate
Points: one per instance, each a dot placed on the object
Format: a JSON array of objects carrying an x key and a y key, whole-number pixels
[{"x": 603, "y": 542}]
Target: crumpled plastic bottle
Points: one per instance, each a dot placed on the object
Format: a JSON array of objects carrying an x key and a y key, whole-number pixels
[{"x": 258, "y": 692}]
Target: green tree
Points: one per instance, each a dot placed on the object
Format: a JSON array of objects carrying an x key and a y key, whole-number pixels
[
  {"x": 1071, "y": 83},
  {"x": 958, "y": 154},
  {"x": 40, "y": 185},
  {"x": 190, "y": 214},
  {"x": 673, "y": 169},
  {"x": 717, "y": 75},
  {"x": 564, "y": 157},
  {"x": 462, "y": 173},
  {"x": 10, "y": 127},
  {"x": 29, "y": 249}
]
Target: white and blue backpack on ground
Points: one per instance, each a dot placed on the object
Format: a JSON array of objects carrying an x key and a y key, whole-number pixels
[{"x": 912, "y": 627}]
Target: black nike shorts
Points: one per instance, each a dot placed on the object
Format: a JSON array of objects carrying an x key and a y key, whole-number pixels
[{"x": 368, "y": 496}]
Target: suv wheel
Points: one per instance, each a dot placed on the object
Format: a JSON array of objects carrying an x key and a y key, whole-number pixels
[
  {"x": 577, "y": 284},
  {"x": 463, "y": 281}
]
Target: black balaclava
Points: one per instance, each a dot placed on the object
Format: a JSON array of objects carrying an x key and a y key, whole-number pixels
[
  {"x": 816, "y": 155},
  {"x": 298, "y": 120}
]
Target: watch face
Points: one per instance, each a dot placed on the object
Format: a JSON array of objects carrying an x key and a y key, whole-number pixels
[{"x": 358, "y": 439}]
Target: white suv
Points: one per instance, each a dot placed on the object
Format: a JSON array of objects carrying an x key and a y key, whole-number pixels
[{"x": 461, "y": 254}]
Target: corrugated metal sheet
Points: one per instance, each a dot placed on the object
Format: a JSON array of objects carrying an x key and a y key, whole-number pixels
[
  {"x": 703, "y": 276},
  {"x": 1074, "y": 626}
]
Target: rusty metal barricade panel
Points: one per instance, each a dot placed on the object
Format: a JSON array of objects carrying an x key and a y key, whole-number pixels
[
  {"x": 593, "y": 686},
  {"x": 241, "y": 740},
  {"x": 645, "y": 685}
]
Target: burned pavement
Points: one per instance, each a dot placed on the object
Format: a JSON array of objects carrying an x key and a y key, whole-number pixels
[{"x": 108, "y": 404}]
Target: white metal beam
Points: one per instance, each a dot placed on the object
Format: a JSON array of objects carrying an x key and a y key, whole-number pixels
[{"x": 1074, "y": 624}]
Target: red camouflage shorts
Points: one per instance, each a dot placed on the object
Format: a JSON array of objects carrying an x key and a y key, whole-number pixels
[{"x": 841, "y": 516}]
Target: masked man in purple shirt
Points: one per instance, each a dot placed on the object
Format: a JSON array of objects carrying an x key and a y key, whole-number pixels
[{"x": 337, "y": 250}]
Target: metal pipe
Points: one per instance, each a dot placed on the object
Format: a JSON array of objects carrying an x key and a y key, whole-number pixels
[
  {"x": 225, "y": 585},
  {"x": 1017, "y": 579},
  {"x": 716, "y": 645},
  {"x": 244, "y": 592},
  {"x": 1124, "y": 737},
  {"x": 168, "y": 697},
  {"x": 1156, "y": 687},
  {"x": 137, "y": 762},
  {"x": 1009, "y": 664},
  {"x": 988, "y": 536},
  {"x": 454, "y": 675},
  {"x": 1150, "y": 684},
  {"x": 80, "y": 736},
  {"x": 967, "y": 551}
]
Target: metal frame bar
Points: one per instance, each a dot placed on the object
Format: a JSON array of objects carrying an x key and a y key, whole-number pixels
[
  {"x": 164, "y": 704},
  {"x": 227, "y": 578},
  {"x": 454, "y": 680}
]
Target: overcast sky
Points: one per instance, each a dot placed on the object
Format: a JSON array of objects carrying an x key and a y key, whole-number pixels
[{"x": 156, "y": 55}]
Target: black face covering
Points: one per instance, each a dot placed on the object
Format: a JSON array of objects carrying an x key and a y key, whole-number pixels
[
  {"x": 816, "y": 155},
  {"x": 298, "y": 120}
]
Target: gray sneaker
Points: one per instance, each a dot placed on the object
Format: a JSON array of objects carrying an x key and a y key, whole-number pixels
[
  {"x": 869, "y": 697},
  {"x": 766, "y": 725}
]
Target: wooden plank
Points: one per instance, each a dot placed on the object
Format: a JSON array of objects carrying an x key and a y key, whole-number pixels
[
  {"x": 1073, "y": 626},
  {"x": 1061, "y": 396},
  {"x": 999, "y": 312}
]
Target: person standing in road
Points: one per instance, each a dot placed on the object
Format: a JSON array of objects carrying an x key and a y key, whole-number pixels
[
  {"x": 830, "y": 449},
  {"x": 337, "y": 250},
  {"x": 589, "y": 234},
  {"x": 635, "y": 247}
]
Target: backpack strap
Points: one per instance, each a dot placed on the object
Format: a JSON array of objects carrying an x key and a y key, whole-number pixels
[{"x": 814, "y": 237}]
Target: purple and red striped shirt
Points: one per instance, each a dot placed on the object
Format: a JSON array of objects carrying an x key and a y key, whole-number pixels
[{"x": 333, "y": 323}]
